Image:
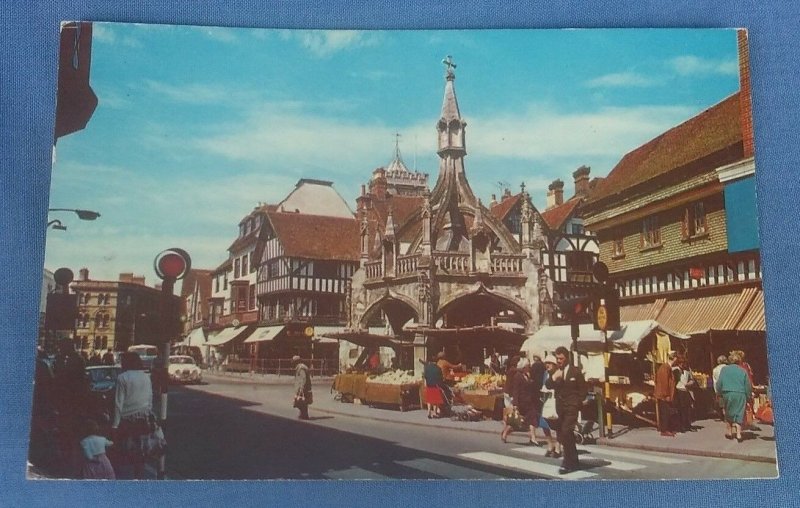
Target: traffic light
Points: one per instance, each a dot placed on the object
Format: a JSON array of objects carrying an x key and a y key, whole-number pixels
[
  {"x": 606, "y": 296},
  {"x": 575, "y": 311}
]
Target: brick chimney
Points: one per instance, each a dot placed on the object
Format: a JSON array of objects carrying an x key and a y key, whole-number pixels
[
  {"x": 555, "y": 194},
  {"x": 745, "y": 99},
  {"x": 581, "y": 176},
  {"x": 126, "y": 277},
  {"x": 83, "y": 274},
  {"x": 378, "y": 184}
]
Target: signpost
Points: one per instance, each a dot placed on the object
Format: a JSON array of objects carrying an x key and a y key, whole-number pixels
[
  {"x": 170, "y": 265},
  {"x": 606, "y": 317}
]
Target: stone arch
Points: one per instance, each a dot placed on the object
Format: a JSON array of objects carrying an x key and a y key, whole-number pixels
[
  {"x": 399, "y": 310},
  {"x": 478, "y": 305}
]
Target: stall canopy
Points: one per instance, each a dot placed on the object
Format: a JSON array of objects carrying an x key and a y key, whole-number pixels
[
  {"x": 225, "y": 335},
  {"x": 263, "y": 333},
  {"x": 321, "y": 334},
  {"x": 626, "y": 339},
  {"x": 374, "y": 337},
  {"x": 196, "y": 338}
]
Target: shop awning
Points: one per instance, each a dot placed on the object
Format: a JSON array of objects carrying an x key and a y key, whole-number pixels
[
  {"x": 225, "y": 335},
  {"x": 364, "y": 338},
  {"x": 754, "y": 319},
  {"x": 699, "y": 315},
  {"x": 626, "y": 339},
  {"x": 263, "y": 333},
  {"x": 642, "y": 311},
  {"x": 491, "y": 335}
]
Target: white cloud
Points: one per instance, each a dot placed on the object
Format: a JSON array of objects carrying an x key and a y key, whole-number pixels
[
  {"x": 104, "y": 33},
  {"x": 191, "y": 93},
  {"x": 620, "y": 79},
  {"x": 692, "y": 65},
  {"x": 323, "y": 43}
]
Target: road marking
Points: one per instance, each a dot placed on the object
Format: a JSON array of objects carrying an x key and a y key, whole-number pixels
[
  {"x": 525, "y": 465},
  {"x": 355, "y": 473},
  {"x": 447, "y": 470},
  {"x": 632, "y": 455},
  {"x": 593, "y": 461}
]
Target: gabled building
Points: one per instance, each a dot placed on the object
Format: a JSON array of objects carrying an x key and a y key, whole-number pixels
[
  {"x": 195, "y": 296},
  {"x": 442, "y": 269},
  {"x": 662, "y": 219}
]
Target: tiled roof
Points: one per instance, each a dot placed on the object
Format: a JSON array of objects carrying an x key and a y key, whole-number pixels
[
  {"x": 555, "y": 217},
  {"x": 711, "y": 131},
  {"x": 316, "y": 236},
  {"x": 244, "y": 241},
  {"x": 195, "y": 276},
  {"x": 402, "y": 208},
  {"x": 504, "y": 207}
]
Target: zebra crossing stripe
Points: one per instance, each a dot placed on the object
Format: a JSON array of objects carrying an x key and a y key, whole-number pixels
[
  {"x": 355, "y": 473},
  {"x": 616, "y": 465},
  {"x": 528, "y": 466},
  {"x": 633, "y": 455},
  {"x": 447, "y": 470}
]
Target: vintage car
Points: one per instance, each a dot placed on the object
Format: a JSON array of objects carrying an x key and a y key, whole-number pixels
[
  {"x": 147, "y": 353},
  {"x": 102, "y": 380},
  {"x": 182, "y": 369}
]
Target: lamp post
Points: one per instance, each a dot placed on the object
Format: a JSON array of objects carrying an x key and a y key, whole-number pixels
[{"x": 82, "y": 215}]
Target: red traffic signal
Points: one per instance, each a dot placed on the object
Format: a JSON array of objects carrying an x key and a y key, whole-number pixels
[{"x": 172, "y": 264}]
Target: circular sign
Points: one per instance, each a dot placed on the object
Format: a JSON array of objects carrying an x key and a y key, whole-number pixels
[
  {"x": 235, "y": 323},
  {"x": 602, "y": 317},
  {"x": 63, "y": 276},
  {"x": 600, "y": 271},
  {"x": 172, "y": 264},
  {"x": 309, "y": 331}
]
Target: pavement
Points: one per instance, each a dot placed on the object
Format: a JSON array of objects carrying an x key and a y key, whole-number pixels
[{"x": 707, "y": 439}]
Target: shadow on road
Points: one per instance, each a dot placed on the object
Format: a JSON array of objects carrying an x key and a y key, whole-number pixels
[{"x": 217, "y": 437}]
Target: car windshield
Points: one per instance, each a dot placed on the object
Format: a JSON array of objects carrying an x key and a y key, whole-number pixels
[
  {"x": 181, "y": 359},
  {"x": 144, "y": 351},
  {"x": 103, "y": 374}
]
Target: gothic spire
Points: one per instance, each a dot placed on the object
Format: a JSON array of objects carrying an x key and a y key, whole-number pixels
[{"x": 450, "y": 109}]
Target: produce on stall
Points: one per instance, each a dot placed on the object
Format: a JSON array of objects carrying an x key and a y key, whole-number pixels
[
  {"x": 396, "y": 388},
  {"x": 483, "y": 392}
]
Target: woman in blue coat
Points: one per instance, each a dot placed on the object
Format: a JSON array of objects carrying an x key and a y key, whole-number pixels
[{"x": 734, "y": 386}]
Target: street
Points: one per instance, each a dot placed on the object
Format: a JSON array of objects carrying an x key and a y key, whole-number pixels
[{"x": 230, "y": 429}]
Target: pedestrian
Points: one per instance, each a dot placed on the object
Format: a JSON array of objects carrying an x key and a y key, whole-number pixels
[
  {"x": 722, "y": 361},
  {"x": 664, "y": 393},
  {"x": 108, "y": 357},
  {"x": 434, "y": 398},
  {"x": 553, "y": 446},
  {"x": 96, "y": 465},
  {"x": 492, "y": 364},
  {"x": 95, "y": 359},
  {"x": 133, "y": 413},
  {"x": 684, "y": 401},
  {"x": 570, "y": 391},
  {"x": 508, "y": 390},
  {"x": 71, "y": 397},
  {"x": 734, "y": 385},
  {"x": 527, "y": 396},
  {"x": 303, "y": 396}
]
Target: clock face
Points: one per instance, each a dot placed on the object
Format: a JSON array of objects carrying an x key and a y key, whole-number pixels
[{"x": 602, "y": 317}]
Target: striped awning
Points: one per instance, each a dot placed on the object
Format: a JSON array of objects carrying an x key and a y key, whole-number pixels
[
  {"x": 699, "y": 315},
  {"x": 263, "y": 334},
  {"x": 642, "y": 311},
  {"x": 754, "y": 319},
  {"x": 225, "y": 335}
]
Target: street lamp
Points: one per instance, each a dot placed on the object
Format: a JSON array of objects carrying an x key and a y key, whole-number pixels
[
  {"x": 82, "y": 214},
  {"x": 56, "y": 224}
]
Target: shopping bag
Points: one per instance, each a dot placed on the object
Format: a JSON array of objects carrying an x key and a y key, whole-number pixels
[{"x": 549, "y": 409}]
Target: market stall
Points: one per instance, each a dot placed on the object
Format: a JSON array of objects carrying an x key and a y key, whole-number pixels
[
  {"x": 634, "y": 351},
  {"x": 397, "y": 388},
  {"x": 483, "y": 392}
]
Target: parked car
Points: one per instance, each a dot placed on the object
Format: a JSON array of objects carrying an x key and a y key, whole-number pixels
[
  {"x": 147, "y": 353},
  {"x": 182, "y": 369},
  {"x": 193, "y": 351},
  {"x": 102, "y": 380}
]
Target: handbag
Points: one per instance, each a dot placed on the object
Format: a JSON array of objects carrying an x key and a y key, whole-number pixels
[{"x": 549, "y": 409}]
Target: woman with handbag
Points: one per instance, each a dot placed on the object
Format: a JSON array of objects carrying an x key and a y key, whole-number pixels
[
  {"x": 549, "y": 414},
  {"x": 134, "y": 423},
  {"x": 303, "y": 396}
]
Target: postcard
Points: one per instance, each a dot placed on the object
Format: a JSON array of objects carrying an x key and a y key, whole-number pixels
[{"x": 378, "y": 255}]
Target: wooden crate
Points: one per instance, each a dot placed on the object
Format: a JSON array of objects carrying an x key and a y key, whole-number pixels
[{"x": 402, "y": 396}]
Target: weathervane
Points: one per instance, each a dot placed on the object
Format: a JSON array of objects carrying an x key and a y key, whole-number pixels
[{"x": 448, "y": 62}]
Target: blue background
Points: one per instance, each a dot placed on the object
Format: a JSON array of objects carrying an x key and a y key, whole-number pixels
[{"x": 29, "y": 42}]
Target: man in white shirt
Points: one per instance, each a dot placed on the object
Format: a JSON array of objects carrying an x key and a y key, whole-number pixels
[{"x": 722, "y": 361}]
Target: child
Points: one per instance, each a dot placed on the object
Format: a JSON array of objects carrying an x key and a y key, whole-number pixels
[{"x": 96, "y": 465}]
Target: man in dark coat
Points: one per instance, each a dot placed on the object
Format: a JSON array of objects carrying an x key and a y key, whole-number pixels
[{"x": 570, "y": 391}]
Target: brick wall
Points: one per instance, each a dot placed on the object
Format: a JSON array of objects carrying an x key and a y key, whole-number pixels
[
  {"x": 745, "y": 100},
  {"x": 673, "y": 248}
]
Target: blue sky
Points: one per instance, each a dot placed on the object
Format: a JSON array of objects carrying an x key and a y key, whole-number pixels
[{"x": 196, "y": 125}]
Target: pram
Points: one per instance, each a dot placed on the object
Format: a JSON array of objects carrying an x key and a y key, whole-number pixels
[{"x": 587, "y": 421}]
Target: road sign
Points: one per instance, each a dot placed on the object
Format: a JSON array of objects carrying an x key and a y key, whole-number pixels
[
  {"x": 309, "y": 331},
  {"x": 602, "y": 317}
]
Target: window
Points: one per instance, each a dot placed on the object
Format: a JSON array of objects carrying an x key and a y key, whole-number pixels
[
  {"x": 694, "y": 221},
  {"x": 225, "y": 281},
  {"x": 577, "y": 229},
  {"x": 618, "y": 248},
  {"x": 651, "y": 235},
  {"x": 252, "y": 296},
  {"x": 252, "y": 266},
  {"x": 236, "y": 267},
  {"x": 272, "y": 269},
  {"x": 244, "y": 265}
]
